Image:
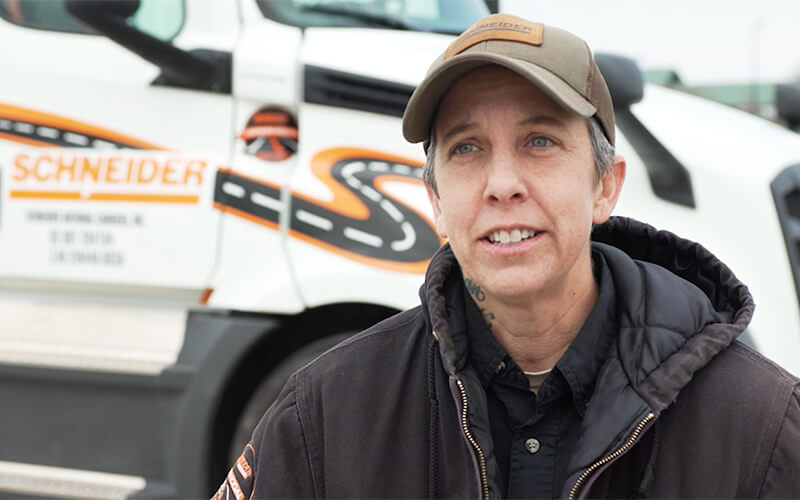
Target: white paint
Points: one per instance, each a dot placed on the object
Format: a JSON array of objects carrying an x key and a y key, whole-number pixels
[
  {"x": 232, "y": 189},
  {"x": 407, "y": 242},
  {"x": 266, "y": 202},
  {"x": 315, "y": 220},
  {"x": 392, "y": 210},
  {"x": 371, "y": 194},
  {"x": 353, "y": 168},
  {"x": 79, "y": 335},
  {"x": 363, "y": 237}
]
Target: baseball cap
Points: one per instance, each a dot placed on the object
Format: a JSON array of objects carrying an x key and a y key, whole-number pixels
[{"x": 556, "y": 61}]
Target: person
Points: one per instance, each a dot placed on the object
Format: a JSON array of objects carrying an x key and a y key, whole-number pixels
[{"x": 557, "y": 351}]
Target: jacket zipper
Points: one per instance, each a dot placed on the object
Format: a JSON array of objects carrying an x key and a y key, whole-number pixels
[
  {"x": 613, "y": 456},
  {"x": 468, "y": 434}
]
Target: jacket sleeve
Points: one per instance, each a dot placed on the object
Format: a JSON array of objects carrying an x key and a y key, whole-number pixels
[
  {"x": 275, "y": 463},
  {"x": 782, "y": 478}
]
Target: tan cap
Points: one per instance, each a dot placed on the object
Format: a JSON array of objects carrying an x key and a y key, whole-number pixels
[{"x": 556, "y": 61}]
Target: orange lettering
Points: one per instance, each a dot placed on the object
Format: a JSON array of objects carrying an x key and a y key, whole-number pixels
[
  {"x": 93, "y": 170},
  {"x": 39, "y": 161},
  {"x": 64, "y": 166},
  {"x": 194, "y": 169},
  {"x": 168, "y": 170},
  {"x": 131, "y": 167},
  {"x": 234, "y": 484},
  {"x": 243, "y": 467},
  {"x": 142, "y": 178},
  {"x": 112, "y": 167},
  {"x": 21, "y": 171}
]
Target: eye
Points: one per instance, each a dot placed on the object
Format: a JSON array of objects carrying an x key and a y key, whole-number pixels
[
  {"x": 464, "y": 148},
  {"x": 541, "y": 141}
]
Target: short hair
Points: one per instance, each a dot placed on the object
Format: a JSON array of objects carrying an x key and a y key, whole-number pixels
[{"x": 602, "y": 150}]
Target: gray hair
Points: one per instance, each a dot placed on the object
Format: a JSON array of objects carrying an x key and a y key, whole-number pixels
[{"x": 602, "y": 150}]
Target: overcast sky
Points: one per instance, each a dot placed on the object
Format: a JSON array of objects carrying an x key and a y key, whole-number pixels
[{"x": 706, "y": 41}]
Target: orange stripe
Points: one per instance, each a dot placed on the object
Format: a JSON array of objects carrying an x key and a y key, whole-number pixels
[
  {"x": 25, "y": 140},
  {"x": 267, "y": 130},
  {"x": 144, "y": 198},
  {"x": 271, "y": 118},
  {"x": 203, "y": 299},
  {"x": 130, "y": 197},
  {"x": 344, "y": 201},
  {"x": 46, "y": 195},
  {"x": 59, "y": 122}
]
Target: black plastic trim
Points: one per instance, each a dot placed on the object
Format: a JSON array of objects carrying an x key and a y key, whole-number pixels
[
  {"x": 347, "y": 90},
  {"x": 786, "y": 194},
  {"x": 669, "y": 179},
  {"x": 207, "y": 70}
]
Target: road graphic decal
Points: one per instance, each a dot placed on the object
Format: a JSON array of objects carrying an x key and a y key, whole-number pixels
[
  {"x": 362, "y": 222},
  {"x": 36, "y": 128}
]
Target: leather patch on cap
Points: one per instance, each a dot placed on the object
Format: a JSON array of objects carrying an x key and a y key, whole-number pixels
[{"x": 497, "y": 27}]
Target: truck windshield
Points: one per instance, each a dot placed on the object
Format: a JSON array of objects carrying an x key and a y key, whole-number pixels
[{"x": 439, "y": 16}]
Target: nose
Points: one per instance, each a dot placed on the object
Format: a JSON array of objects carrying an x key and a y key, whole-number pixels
[{"x": 505, "y": 179}]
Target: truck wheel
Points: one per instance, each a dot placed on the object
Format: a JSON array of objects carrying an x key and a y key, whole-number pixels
[{"x": 271, "y": 386}]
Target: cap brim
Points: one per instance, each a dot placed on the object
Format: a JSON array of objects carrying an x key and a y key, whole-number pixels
[{"x": 425, "y": 99}]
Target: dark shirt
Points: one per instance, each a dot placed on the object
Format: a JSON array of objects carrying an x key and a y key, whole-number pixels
[{"x": 534, "y": 434}]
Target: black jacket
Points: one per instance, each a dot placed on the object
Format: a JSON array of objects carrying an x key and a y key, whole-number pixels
[{"x": 680, "y": 408}]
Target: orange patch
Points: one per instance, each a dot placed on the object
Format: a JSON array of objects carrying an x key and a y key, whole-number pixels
[{"x": 497, "y": 27}]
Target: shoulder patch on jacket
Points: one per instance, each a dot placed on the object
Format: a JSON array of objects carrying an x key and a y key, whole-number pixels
[{"x": 240, "y": 481}]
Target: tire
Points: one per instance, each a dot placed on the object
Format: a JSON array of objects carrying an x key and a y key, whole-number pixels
[{"x": 269, "y": 388}]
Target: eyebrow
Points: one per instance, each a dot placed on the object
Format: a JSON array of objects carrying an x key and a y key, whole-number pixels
[
  {"x": 544, "y": 120},
  {"x": 534, "y": 120},
  {"x": 457, "y": 130}
]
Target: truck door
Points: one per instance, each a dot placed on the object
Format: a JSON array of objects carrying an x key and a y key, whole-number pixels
[{"x": 108, "y": 170}]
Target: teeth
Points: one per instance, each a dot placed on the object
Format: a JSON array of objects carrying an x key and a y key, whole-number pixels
[{"x": 514, "y": 236}]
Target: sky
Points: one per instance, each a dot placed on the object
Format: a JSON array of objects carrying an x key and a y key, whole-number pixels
[{"x": 705, "y": 41}]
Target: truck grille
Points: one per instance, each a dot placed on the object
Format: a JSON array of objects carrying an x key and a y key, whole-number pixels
[
  {"x": 347, "y": 90},
  {"x": 786, "y": 193}
]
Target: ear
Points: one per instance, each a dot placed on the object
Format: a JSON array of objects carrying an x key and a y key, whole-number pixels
[
  {"x": 438, "y": 217},
  {"x": 608, "y": 190}
]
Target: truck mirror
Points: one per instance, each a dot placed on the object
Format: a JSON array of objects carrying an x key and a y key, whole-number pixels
[
  {"x": 95, "y": 8},
  {"x": 623, "y": 77},
  {"x": 201, "y": 69},
  {"x": 787, "y": 102}
]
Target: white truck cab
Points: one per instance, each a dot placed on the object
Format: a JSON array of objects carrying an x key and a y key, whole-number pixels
[{"x": 197, "y": 197}]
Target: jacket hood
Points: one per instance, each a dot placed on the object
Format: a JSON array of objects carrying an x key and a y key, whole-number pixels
[{"x": 678, "y": 306}]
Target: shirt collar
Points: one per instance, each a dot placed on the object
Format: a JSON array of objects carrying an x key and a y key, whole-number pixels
[
  {"x": 583, "y": 358},
  {"x": 588, "y": 351}
]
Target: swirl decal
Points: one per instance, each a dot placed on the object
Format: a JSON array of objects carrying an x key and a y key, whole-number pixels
[{"x": 362, "y": 222}]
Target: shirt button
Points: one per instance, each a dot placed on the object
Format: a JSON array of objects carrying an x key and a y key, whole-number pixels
[
  {"x": 532, "y": 445},
  {"x": 501, "y": 367}
]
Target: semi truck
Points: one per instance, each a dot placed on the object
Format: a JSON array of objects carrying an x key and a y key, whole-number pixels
[{"x": 198, "y": 197}]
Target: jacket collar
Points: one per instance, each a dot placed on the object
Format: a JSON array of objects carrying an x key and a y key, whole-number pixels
[{"x": 678, "y": 306}]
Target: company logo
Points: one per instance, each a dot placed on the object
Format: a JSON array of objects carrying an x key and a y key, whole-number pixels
[
  {"x": 498, "y": 27},
  {"x": 362, "y": 222},
  {"x": 108, "y": 177}
]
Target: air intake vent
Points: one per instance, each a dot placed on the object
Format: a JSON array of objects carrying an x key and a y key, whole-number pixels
[
  {"x": 346, "y": 90},
  {"x": 786, "y": 192}
]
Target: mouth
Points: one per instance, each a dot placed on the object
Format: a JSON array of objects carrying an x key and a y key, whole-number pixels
[{"x": 504, "y": 237}]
